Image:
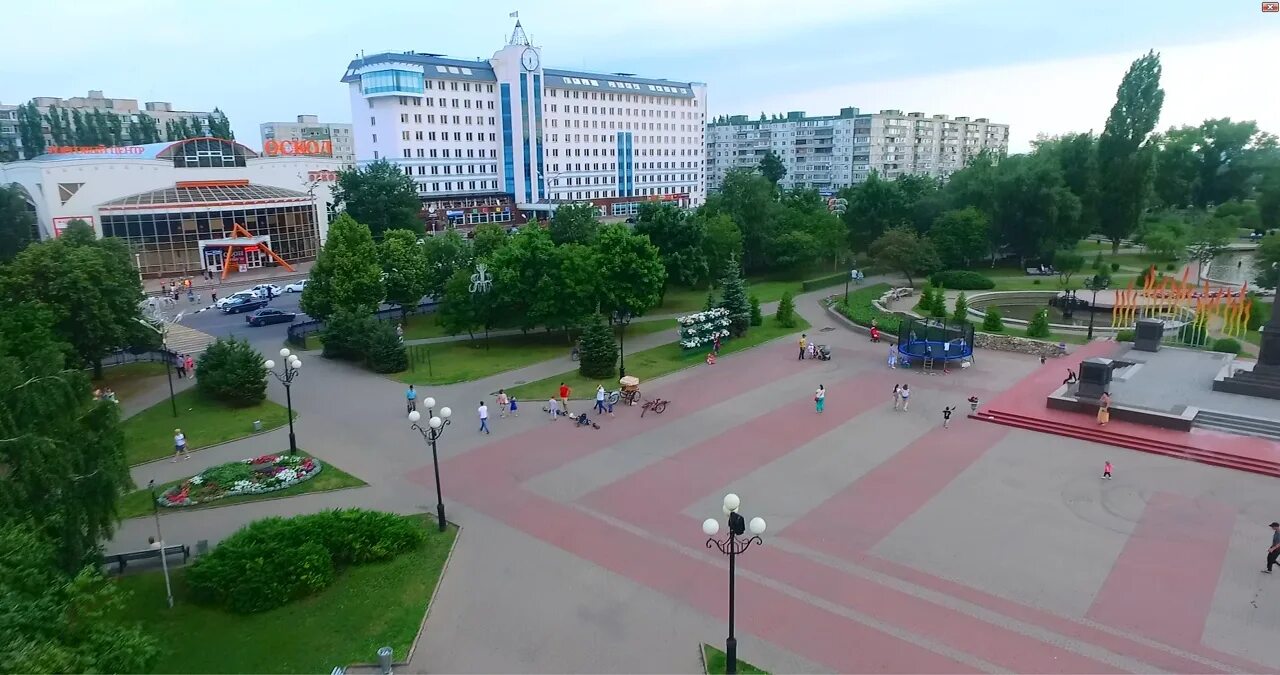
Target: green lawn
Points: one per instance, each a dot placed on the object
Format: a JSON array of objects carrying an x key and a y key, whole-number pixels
[
  {"x": 714, "y": 660},
  {"x": 1054, "y": 283},
  {"x": 767, "y": 288},
  {"x": 367, "y": 607},
  {"x": 424, "y": 326},
  {"x": 464, "y": 360},
  {"x": 129, "y": 378},
  {"x": 652, "y": 363},
  {"x": 148, "y": 435},
  {"x": 138, "y": 502}
]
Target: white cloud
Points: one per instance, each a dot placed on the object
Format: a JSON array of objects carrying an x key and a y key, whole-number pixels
[{"x": 1226, "y": 78}]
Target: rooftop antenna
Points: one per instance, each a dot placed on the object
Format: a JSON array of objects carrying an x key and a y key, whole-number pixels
[{"x": 518, "y": 36}]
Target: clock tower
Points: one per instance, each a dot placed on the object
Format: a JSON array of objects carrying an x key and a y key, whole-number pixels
[{"x": 518, "y": 69}]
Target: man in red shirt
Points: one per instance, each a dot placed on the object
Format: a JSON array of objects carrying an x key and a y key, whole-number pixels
[{"x": 564, "y": 397}]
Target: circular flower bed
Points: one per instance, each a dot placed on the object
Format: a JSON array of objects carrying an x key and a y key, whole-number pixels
[{"x": 257, "y": 475}]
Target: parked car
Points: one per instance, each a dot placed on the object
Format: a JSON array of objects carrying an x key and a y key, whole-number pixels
[
  {"x": 268, "y": 315},
  {"x": 244, "y": 305},
  {"x": 226, "y": 300},
  {"x": 267, "y": 290},
  {"x": 296, "y": 287}
]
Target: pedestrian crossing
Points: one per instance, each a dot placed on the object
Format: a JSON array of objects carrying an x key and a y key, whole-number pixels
[{"x": 186, "y": 340}]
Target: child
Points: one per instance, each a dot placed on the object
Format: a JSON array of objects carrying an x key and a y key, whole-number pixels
[
  {"x": 514, "y": 407},
  {"x": 973, "y": 403},
  {"x": 503, "y": 402},
  {"x": 1106, "y": 470},
  {"x": 893, "y": 357},
  {"x": 813, "y": 351},
  {"x": 553, "y": 407},
  {"x": 906, "y": 396},
  {"x": 180, "y": 445},
  {"x": 946, "y": 416},
  {"x": 897, "y": 395}
]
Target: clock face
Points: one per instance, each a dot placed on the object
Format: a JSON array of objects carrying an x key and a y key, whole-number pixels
[{"x": 529, "y": 59}]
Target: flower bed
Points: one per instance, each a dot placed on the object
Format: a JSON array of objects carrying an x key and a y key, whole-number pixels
[
  {"x": 702, "y": 329},
  {"x": 256, "y": 475}
]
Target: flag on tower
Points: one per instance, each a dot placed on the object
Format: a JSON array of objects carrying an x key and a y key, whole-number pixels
[{"x": 514, "y": 15}]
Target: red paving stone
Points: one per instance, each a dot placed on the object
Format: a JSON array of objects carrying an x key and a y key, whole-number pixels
[{"x": 1162, "y": 584}]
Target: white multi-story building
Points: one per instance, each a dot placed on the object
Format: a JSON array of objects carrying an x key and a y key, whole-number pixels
[
  {"x": 830, "y": 152},
  {"x": 310, "y": 128},
  {"x": 504, "y": 138}
]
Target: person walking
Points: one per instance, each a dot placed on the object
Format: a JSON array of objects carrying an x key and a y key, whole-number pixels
[
  {"x": 906, "y": 396},
  {"x": 190, "y": 365},
  {"x": 893, "y": 357},
  {"x": 1274, "y": 551},
  {"x": 503, "y": 402},
  {"x": 181, "y": 365},
  {"x": 1104, "y": 409},
  {"x": 897, "y": 396},
  {"x": 946, "y": 416},
  {"x": 819, "y": 399},
  {"x": 599, "y": 399},
  {"x": 411, "y": 399},
  {"x": 564, "y": 396},
  {"x": 515, "y": 407},
  {"x": 804, "y": 342},
  {"x": 483, "y": 411},
  {"x": 1106, "y": 470},
  {"x": 180, "y": 446}
]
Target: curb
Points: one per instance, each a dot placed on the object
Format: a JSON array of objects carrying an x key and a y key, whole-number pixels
[{"x": 220, "y": 443}]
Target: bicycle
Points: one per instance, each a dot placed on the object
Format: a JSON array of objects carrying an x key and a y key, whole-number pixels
[
  {"x": 657, "y": 405},
  {"x": 576, "y": 352},
  {"x": 611, "y": 397}
]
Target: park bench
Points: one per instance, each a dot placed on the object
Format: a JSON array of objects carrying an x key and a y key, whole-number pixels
[
  {"x": 1037, "y": 272},
  {"x": 123, "y": 559}
]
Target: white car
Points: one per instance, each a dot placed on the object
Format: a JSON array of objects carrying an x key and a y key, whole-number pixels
[
  {"x": 296, "y": 287},
  {"x": 267, "y": 290},
  {"x": 235, "y": 297}
]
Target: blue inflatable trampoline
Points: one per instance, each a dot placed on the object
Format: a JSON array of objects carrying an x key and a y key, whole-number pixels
[{"x": 934, "y": 342}]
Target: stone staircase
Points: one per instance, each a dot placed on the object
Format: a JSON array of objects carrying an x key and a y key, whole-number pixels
[
  {"x": 184, "y": 340},
  {"x": 1238, "y": 424}
]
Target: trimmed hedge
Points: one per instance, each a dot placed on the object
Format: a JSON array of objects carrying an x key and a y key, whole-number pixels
[
  {"x": 1125, "y": 335},
  {"x": 271, "y": 562},
  {"x": 824, "y": 282},
  {"x": 1227, "y": 345},
  {"x": 962, "y": 280}
]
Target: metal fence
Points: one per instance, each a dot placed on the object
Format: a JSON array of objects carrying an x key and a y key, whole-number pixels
[
  {"x": 150, "y": 356},
  {"x": 299, "y": 332}
]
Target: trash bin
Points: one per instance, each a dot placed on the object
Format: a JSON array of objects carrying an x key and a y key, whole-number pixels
[
  {"x": 384, "y": 660},
  {"x": 257, "y": 425}
]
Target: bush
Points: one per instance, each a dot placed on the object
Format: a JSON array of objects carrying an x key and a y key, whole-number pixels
[
  {"x": 962, "y": 280},
  {"x": 1193, "y": 334},
  {"x": 232, "y": 372},
  {"x": 384, "y": 350},
  {"x": 824, "y": 282},
  {"x": 346, "y": 335},
  {"x": 1227, "y": 345},
  {"x": 961, "y": 314},
  {"x": 1170, "y": 267},
  {"x": 938, "y": 308},
  {"x": 992, "y": 322},
  {"x": 786, "y": 314},
  {"x": 1035, "y": 282},
  {"x": 1039, "y": 325},
  {"x": 1115, "y": 267},
  {"x": 599, "y": 355},
  {"x": 925, "y": 304},
  {"x": 274, "y": 561},
  {"x": 1097, "y": 261},
  {"x": 757, "y": 319},
  {"x": 1125, "y": 335}
]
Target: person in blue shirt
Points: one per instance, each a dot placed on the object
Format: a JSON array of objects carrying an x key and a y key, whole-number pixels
[{"x": 411, "y": 399}]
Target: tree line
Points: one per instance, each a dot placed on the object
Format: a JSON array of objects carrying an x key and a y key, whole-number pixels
[{"x": 75, "y": 127}]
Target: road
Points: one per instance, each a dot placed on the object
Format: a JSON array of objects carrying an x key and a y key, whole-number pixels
[{"x": 217, "y": 324}]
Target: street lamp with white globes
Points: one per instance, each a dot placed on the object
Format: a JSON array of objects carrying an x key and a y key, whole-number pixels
[
  {"x": 733, "y": 544},
  {"x": 433, "y": 430},
  {"x": 286, "y": 374}
]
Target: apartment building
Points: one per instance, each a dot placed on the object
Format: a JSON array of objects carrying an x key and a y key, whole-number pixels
[
  {"x": 504, "y": 139},
  {"x": 310, "y": 128},
  {"x": 127, "y": 108},
  {"x": 829, "y": 152}
]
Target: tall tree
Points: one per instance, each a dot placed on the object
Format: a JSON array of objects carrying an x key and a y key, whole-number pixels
[
  {"x": 487, "y": 239},
  {"x": 136, "y": 135},
  {"x": 875, "y": 206},
  {"x": 404, "y": 266},
  {"x": 446, "y": 252},
  {"x": 459, "y": 312},
  {"x": 150, "y": 129},
  {"x": 1176, "y": 166},
  {"x": 58, "y": 131},
  {"x": 115, "y": 129},
  {"x": 772, "y": 168},
  {"x": 721, "y": 239},
  {"x": 31, "y": 130},
  {"x": 82, "y": 134},
  {"x": 750, "y": 200},
  {"x": 733, "y": 298},
  {"x": 63, "y": 452},
  {"x": 901, "y": 249},
  {"x": 380, "y": 195},
  {"x": 631, "y": 271},
  {"x": 1035, "y": 212},
  {"x": 574, "y": 223},
  {"x": 1077, "y": 159},
  {"x": 1269, "y": 197},
  {"x": 346, "y": 275},
  {"x": 101, "y": 132},
  {"x": 89, "y": 284},
  {"x": 220, "y": 126},
  {"x": 960, "y": 237},
  {"x": 1224, "y": 149},
  {"x": 1124, "y": 155},
  {"x": 681, "y": 241},
  {"x": 17, "y": 223},
  {"x": 520, "y": 273},
  {"x": 571, "y": 292},
  {"x": 1267, "y": 264}
]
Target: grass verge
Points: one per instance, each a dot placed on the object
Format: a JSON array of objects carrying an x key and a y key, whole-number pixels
[
  {"x": 128, "y": 379},
  {"x": 148, "y": 435},
  {"x": 464, "y": 360},
  {"x": 367, "y": 607},
  {"x": 138, "y": 503},
  {"x": 715, "y": 660},
  {"x": 651, "y": 363}
]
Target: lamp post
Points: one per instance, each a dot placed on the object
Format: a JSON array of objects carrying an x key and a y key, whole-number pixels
[
  {"x": 286, "y": 375},
  {"x": 164, "y": 559},
  {"x": 433, "y": 430},
  {"x": 1094, "y": 283},
  {"x": 733, "y": 544},
  {"x": 622, "y": 319}
]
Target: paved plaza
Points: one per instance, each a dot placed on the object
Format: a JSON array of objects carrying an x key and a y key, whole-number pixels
[{"x": 893, "y": 544}]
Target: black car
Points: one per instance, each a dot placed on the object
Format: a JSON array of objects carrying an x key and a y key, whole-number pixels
[
  {"x": 244, "y": 305},
  {"x": 263, "y": 317}
]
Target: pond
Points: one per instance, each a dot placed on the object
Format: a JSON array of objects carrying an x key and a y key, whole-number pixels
[
  {"x": 1232, "y": 267},
  {"x": 1025, "y": 310}
]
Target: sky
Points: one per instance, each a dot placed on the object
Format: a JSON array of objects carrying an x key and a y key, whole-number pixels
[{"x": 1042, "y": 67}]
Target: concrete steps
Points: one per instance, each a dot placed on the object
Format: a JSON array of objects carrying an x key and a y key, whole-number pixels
[
  {"x": 1110, "y": 437},
  {"x": 184, "y": 340},
  {"x": 1238, "y": 424}
]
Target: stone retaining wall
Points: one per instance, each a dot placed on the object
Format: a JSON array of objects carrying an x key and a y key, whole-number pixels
[{"x": 1013, "y": 343}]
